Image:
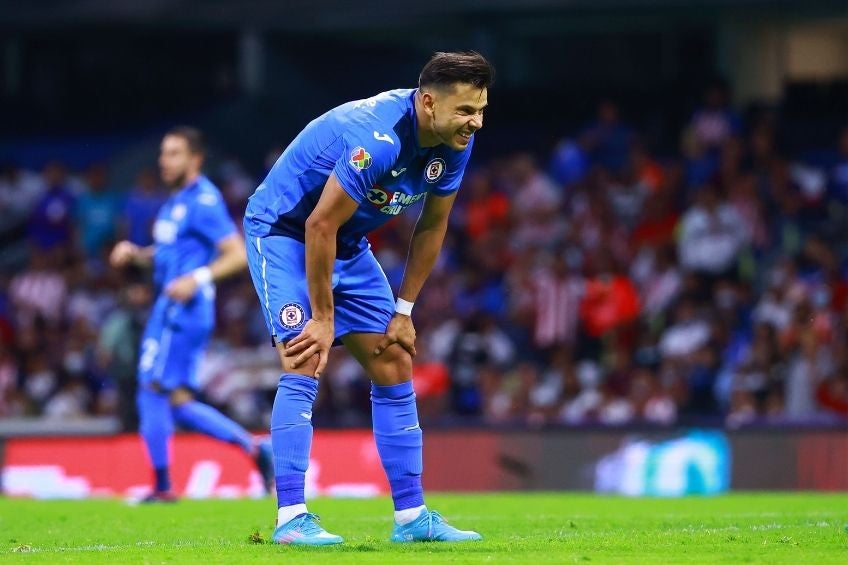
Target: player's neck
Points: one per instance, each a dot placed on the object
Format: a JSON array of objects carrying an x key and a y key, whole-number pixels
[
  {"x": 190, "y": 180},
  {"x": 426, "y": 136}
]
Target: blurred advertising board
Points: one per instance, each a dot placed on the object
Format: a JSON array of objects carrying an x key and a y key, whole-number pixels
[
  {"x": 117, "y": 466},
  {"x": 649, "y": 462}
]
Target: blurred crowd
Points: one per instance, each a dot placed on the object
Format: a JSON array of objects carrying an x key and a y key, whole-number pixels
[{"x": 601, "y": 284}]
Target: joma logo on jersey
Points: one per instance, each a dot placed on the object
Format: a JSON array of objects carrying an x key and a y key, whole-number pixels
[{"x": 360, "y": 159}]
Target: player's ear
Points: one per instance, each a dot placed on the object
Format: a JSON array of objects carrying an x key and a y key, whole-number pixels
[{"x": 427, "y": 100}]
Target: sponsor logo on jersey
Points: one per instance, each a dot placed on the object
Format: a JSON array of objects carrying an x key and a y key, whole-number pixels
[
  {"x": 292, "y": 316},
  {"x": 360, "y": 159},
  {"x": 434, "y": 170},
  {"x": 377, "y": 196},
  {"x": 391, "y": 203},
  {"x": 165, "y": 231}
]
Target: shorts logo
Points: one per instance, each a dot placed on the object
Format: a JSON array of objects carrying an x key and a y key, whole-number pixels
[
  {"x": 292, "y": 316},
  {"x": 377, "y": 196},
  {"x": 434, "y": 170},
  {"x": 360, "y": 159}
]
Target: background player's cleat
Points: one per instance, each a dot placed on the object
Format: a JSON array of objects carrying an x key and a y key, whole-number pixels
[
  {"x": 304, "y": 530},
  {"x": 264, "y": 460},
  {"x": 430, "y": 526},
  {"x": 159, "y": 496}
]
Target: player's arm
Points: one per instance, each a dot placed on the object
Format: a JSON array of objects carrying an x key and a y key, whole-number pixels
[
  {"x": 128, "y": 253},
  {"x": 334, "y": 208},
  {"x": 424, "y": 248},
  {"x": 231, "y": 259},
  {"x": 426, "y": 243}
]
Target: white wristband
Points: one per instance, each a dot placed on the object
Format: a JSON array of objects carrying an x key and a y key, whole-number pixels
[
  {"x": 202, "y": 276},
  {"x": 404, "y": 307}
]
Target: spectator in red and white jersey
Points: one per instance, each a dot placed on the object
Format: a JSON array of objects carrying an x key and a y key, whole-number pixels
[
  {"x": 39, "y": 291},
  {"x": 558, "y": 291}
]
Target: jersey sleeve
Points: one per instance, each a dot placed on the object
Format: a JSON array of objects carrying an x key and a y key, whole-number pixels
[
  {"x": 210, "y": 217},
  {"x": 449, "y": 183},
  {"x": 365, "y": 157}
]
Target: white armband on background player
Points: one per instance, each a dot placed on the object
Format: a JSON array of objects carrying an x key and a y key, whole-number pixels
[
  {"x": 202, "y": 276},
  {"x": 404, "y": 307}
]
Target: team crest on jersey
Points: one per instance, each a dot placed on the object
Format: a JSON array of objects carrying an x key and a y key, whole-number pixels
[
  {"x": 434, "y": 170},
  {"x": 377, "y": 196},
  {"x": 292, "y": 315},
  {"x": 360, "y": 159},
  {"x": 178, "y": 212}
]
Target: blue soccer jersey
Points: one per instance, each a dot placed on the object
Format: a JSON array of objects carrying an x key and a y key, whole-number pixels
[
  {"x": 186, "y": 234},
  {"x": 372, "y": 147}
]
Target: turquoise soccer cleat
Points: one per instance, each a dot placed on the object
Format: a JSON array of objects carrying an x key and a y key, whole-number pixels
[
  {"x": 304, "y": 530},
  {"x": 430, "y": 526}
]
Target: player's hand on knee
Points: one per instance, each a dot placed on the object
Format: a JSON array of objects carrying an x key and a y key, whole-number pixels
[
  {"x": 182, "y": 289},
  {"x": 315, "y": 339},
  {"x": 400, "y": 331},
  {"x": 123, "y": 253}
]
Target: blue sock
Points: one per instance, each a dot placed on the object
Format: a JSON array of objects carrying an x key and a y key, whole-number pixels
[
  {"x": 399, "y": 441},
  {"x": 156, "y": 427},
  {"x": 207, "y": 420},
  {"x": 163, "y": 479},
  {"x": 291, "y": 436}
]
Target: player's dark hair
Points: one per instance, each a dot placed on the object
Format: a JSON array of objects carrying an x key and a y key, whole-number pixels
[
  {"x": 447, "y": 69},
  {"x": 193, "y": 136}
]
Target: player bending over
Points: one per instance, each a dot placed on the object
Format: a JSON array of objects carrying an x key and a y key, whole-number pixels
[{"x": 348, "y": 172}]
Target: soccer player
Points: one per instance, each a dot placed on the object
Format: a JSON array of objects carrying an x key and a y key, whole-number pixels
[
  {"x": 195, "y": 243},
  {"x": 349, "y": 171}
]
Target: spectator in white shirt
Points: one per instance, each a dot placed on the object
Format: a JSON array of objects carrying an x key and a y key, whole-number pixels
[{"x": 712, "y": 234}]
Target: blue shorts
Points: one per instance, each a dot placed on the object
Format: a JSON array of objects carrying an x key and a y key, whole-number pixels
[
  {"x": 362, "y": 297},
  {"x": 170, "y": 352}
]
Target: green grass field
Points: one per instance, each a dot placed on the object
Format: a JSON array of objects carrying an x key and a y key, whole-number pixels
[{"x": 518, "y": 528}]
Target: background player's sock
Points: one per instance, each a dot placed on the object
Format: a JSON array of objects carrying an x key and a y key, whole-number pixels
[
  {"x": 399, "y": 443},
  {"x": 291, "y": 439},
  {"x": 156, "y": 428},
  {"x": 207, "y": 420},
  {"x": 162, "y": 478}
]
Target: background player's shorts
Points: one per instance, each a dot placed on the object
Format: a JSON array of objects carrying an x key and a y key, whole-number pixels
[
  {"x": 362, "y": 296},
  {"x": 170, "y": 353}
]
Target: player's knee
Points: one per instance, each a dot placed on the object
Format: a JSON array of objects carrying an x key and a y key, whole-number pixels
[
  {"x": 393, "y": 366},
  {"x": 306, "y": 368},
  {"x": 181, "y": 396}
]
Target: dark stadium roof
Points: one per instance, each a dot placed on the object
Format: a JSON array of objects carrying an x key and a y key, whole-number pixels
[{"x": 301, "y": 15}]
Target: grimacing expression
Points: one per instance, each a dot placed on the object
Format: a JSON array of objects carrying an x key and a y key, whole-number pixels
[
  {"x": 458, "y": 113},
  {"x": 177, "y": 163}
]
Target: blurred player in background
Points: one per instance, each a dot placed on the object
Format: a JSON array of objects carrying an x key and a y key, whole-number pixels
[
  {"x": 348, "y": 172},
  {"x": 195, "y": 243}
]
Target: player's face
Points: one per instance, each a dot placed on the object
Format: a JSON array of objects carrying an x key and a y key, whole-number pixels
[
  {"x": 177, "y": 164},
  {"x": 457, "y": 114}
]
